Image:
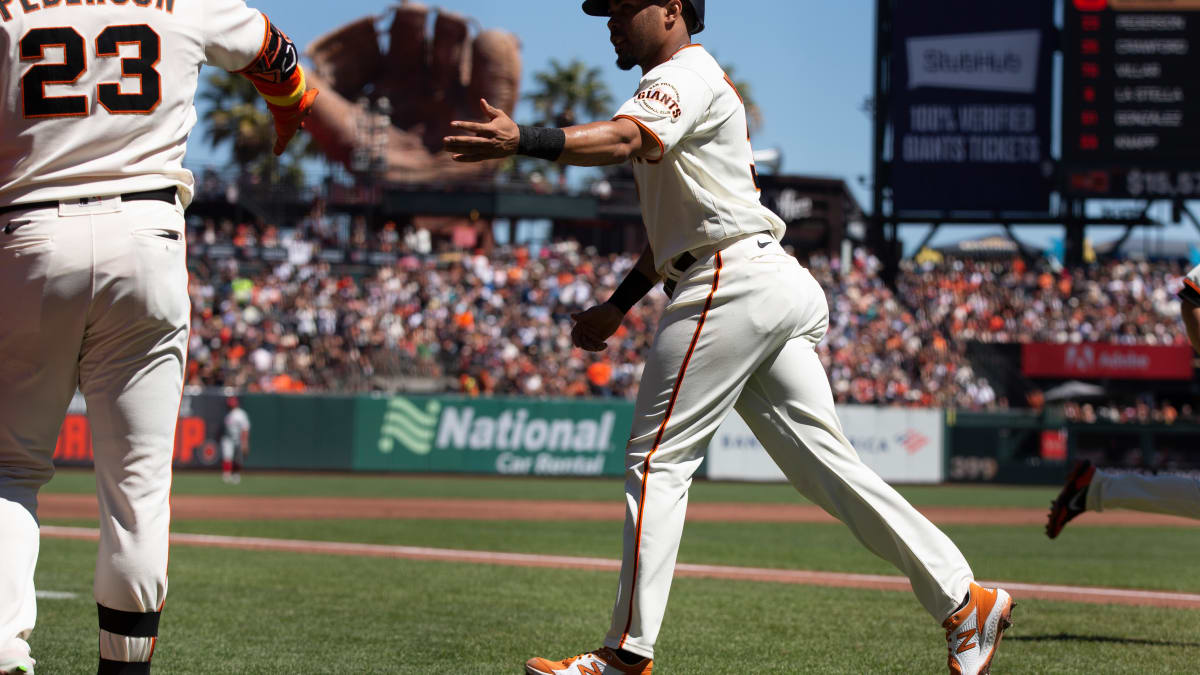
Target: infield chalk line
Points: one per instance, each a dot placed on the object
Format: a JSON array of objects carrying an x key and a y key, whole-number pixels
[
  {"x": 55, "y": 595},
  {"x": 1082, "y": 594}
]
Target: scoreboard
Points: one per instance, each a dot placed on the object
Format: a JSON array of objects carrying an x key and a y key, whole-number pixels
[{"x": 1131, "y": 98}]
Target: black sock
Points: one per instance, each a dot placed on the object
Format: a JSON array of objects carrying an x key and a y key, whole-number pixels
[
  {"x": 966, "y": 599},
  {"x": 628, "y": 658}
]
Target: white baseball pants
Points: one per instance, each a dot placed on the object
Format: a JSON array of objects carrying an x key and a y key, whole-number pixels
[
  {"x": 1164, "y": 493},
  {"x": 95, "y": 297},
  {"x": 741, "y": 332}
]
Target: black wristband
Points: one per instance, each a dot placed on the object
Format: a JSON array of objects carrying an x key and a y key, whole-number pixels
[
  {"x": 541, "y": 142},
  {"x": 635, "y": 286}
]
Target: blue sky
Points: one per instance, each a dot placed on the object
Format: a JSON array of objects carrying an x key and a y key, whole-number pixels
[{"x": 809, "y": 63}]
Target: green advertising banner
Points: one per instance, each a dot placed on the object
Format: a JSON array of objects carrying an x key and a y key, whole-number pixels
[{"x": 511, "y": 436}]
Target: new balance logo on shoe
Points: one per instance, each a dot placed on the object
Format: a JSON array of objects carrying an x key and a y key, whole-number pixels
[{"x": 965, "y": 640}]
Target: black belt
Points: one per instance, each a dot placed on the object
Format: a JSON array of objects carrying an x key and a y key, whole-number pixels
[
  {"x": 681, "y": 265},
  {"x": 161, "y": 195}
]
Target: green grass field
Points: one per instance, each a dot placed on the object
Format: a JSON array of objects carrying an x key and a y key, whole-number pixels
[
  {"x": 233, "y": 611},
  {"x": 342, "y": 485}
]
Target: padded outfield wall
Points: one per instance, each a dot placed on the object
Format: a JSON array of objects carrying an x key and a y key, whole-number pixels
[
  {"x": 501, "y": 436},
  {"x": 533, "y": 437}
]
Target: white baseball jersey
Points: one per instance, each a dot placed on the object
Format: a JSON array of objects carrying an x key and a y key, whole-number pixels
[
  {"x": 73, "y": 119},
  {"x": 97, "y": 102},
  {"x": 236, "y": 423},
  {"x": 698, "y": 187},
  {"x": 1191, "y": 287}
]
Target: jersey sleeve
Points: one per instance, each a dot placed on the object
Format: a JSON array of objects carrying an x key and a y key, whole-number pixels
[
  {"x": 1191, "y": 287},
  {"x": 669, "y": 104},
  {"x": 234, "y": 34}
]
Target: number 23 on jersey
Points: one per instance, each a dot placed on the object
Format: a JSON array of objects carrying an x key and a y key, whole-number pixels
[{"x": 35, "y": 102}]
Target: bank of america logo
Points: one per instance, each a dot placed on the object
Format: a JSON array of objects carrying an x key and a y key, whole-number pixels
[
  {"x": 409, "y": 426},
  {"x": 913, "y": 441}
]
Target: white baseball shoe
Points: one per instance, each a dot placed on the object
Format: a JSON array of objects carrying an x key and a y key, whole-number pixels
[
  {"x": 603, "y": 661},
  {"x": 15, "y": 659},
  {"x": 974, "y": 632}
]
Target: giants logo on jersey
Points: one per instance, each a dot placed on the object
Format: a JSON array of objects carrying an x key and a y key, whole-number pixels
[{"x": 661, "y": 99}]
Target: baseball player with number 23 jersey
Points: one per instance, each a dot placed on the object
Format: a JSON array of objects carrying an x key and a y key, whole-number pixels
[
  {"x": 740, "y": 332},
  {"x": 96, "y": 111}
]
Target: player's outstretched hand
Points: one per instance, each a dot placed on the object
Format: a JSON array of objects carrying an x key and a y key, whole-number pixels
[
  {"x": 594, "y": 325},
  {"x": 494, "y": 139},
  {"x": 289, "y": 119}
]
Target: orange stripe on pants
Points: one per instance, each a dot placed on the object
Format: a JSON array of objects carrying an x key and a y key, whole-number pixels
[{"x": 658, "y": 441}]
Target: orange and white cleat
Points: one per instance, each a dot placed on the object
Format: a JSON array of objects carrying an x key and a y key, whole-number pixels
[
  {"x": 603, "y": 661},
  {"x": 973, "y": 633}
]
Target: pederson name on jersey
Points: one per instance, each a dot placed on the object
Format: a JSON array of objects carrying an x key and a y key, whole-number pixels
[{"x": 27, "y": 6}]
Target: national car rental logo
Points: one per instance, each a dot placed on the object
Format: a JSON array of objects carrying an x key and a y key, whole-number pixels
[{"x": 409, "y": 426}]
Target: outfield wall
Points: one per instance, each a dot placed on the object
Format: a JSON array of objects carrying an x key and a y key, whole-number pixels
[
  {"x": 524, "y": 436},
  {"x": 503, "y": 436},
  {"x": 1021, "y": 447},
  {"x": 521, "y": 436}
]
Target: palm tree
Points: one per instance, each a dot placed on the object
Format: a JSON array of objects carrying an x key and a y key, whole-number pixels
[
  {"x": 754, "y": 115},
  {"x": 568, "y": 90},
  {"x": 566, "y": 94},
  {"x": 237, "y": 115}
]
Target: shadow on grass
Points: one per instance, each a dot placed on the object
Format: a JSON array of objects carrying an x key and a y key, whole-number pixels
[{"x": 1067, "y": 637}]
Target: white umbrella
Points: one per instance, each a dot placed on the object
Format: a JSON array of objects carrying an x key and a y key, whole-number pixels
[{"x": 1074, "y": 390}]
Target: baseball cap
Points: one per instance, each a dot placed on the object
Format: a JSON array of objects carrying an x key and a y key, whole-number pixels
[{"x": 600, "y": 8}]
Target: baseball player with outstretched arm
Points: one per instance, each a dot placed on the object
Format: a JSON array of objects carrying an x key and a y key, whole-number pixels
[
  {"x": 1090, "y": 489},
  {"x": 96, "y": 111},
  {"x": 740, "y": 331}
]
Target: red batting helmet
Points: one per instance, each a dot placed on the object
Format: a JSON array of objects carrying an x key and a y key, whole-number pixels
[{"x": 600, "y": 8}]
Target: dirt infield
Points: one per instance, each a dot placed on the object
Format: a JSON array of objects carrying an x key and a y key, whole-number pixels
[{"x": 192, "y": 507}]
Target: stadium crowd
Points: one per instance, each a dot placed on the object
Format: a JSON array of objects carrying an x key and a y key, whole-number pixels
[
  {"x": 495, "y": 324},
  {"x": 500, "y": 324},
  {"x": 1128, "y": 302}
]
